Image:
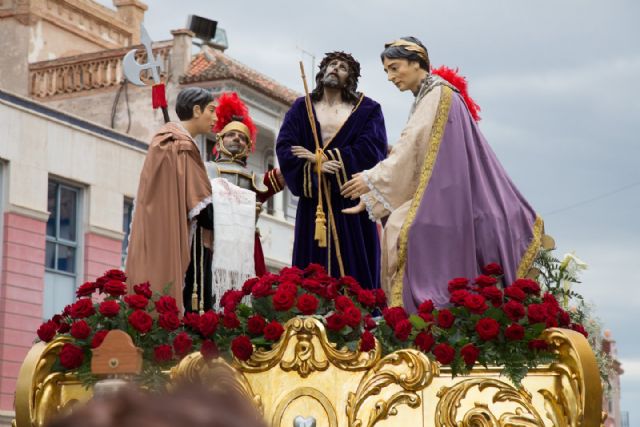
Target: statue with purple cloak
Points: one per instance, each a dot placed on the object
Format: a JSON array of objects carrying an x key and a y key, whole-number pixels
[
  {"x": 351, "y": 130},
  {"x": 450, "y": 206}
]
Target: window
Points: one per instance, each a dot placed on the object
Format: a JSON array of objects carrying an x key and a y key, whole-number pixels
[
  {"x": 62, "y": 239},
  {"x": 62, "y": 247},
  {"x": 127, "y": 217}
]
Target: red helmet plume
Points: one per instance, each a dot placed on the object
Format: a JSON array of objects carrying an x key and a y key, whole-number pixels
[{"x": 231, "y": 109}]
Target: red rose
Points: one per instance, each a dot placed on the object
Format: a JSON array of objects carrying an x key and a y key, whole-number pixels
[
  {"x": 459, "y": 283},
  {"x": 367, "y": 341},
  {"x": 402, "y": 330},
  {"x": 273, "y": 331},
  {"x": 71, "y": 356},
  {"x": 207, "y": 323},
  {"x": 313, "y": 270},
  {"x": 445, "y": 318},
  {"x": 182, "y": 344},
  {"x": 283, "y": 301},
  {"x": 256, "y": 324},
  {"x": 109, "y": 308},
  {"x": 115, "y": 274},
  {"x": 393, "y": 315},
  {"x": 424, "y": 341},
  {"x": 426, "y": 307},
  {"x": 291, "y": 271},
  {"x": 458, "y": 297},
  {"x": 514, "y": 332},
  {"x": 551, "y": 322},
  {"x": 369, "y": 323},
  {"x": 162, "y": 353},
  {"x": 115, "y": 288},
  {"x": 331, "y": 291},
  {"x": 98, "y": 338},
  {"x": 351, "y": 284},
  {"x": 475, "y": 304},
  {"x": 335, "y": 322},
  {"x": 444, "y": 353},
  {"x": 529, "y": 286},
  {"x": 47, "y": 330},
  {"x": 427, "y": 317},
  {"x": 343, "y": 302},
  {"x": 564, "y": 319},
  {"x": 493, "y": 294},
  {"x": 141, "y": 321},
  {"x": 262, "y": 289},
  {"x": 86, "y": 289},
  {"x": 381, "y": 297},
  {"x": 241, "y": 347},
  {"x": 515, "y": 293},
  {"x": 492, "y": 269},
  {"x": 231, "y": 299},
  {"x": 514, "y": 310},
  {"x": 579, "y": 328},
  {"x": 307, "y": 304},
  {"x": 167, "y": 304},
  {"x": 209, "y": 349},
  {"x": 549, "y": 299},
  {"x": 80, "y": 330},
  {"x": 249, "y": 284},
  {"x": 538, "y": 345},
  {"x": 169, "y": 321},
  {"x": 82, "y": 308},
  {"x": 487, "y": 328},
  {"x": 230, "y": 320},
  {"x": 64, "y": 327},
  {"x": 136, "y": 301},
  {"x": 143, "y": 289},
  {"x": 192, "y": 320},
  {"x": 483, "y": 281},
  {"x": 537, "y": 313},
  {"x": 352, "y": 316},
  {"x": 288, "y": 286},
  {"x": 469, "y": 353},
  {"x": 367, "y": 298}
]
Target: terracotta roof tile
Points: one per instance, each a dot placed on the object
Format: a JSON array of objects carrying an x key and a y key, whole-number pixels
[{"x": 215, "y": 65}]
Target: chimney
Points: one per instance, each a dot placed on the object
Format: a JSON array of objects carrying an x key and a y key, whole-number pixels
[
  {"x": 180, "y": 53},
  {"x": 131, "y": 12}
]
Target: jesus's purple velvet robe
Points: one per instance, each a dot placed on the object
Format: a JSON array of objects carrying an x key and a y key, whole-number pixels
[{"x": 359, "y": 144}]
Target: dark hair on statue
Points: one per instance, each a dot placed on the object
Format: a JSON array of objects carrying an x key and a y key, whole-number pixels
[
  {"x": 189, "y": 98},
  {"x": 349, "y": 92},
  {"x": 399, "y": 52}
]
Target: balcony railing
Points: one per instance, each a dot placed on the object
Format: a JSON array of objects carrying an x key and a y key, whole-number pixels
[{"x": 88, "y": 71}]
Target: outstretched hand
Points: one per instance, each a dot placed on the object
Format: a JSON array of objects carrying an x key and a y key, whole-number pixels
[
  {"x": 355, "y": 187},
  {"x": 355, "y": 209},
  {"x": 302, "y": 153}
]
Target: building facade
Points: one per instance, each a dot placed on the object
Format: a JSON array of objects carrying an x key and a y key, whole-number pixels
[{"x": 73, "y": 137}]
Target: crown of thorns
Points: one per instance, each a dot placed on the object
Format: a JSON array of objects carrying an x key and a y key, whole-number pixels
[{"x": 354, "y": 66}]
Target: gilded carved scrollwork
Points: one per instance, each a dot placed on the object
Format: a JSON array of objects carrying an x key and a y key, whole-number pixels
[
  {"x": 312, "y": 352},
  {"x": 38, "y": 395},
  {"x": 217, "y": 373},
  {"x": 481, "y": 415},
  {"x": 575, "y": 399},
  {"x": 410, "y": 370}
]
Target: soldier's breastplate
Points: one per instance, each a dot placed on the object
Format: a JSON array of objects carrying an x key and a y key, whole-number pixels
[{"x": 236, "y": 174}]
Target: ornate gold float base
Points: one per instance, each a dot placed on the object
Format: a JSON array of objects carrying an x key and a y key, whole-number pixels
[{"x": 306, "y": 376}]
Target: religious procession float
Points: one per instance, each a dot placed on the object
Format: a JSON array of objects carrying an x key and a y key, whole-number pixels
[{"x": 319, "y": 343}]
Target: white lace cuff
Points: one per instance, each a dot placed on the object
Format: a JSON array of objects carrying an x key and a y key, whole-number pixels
[
  {"x": 379, "y": 197},
  {"x": 369, "y": 204},
  {"x": 199, "y": 207}
]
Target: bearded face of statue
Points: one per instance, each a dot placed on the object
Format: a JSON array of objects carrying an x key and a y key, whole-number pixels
[
  {"x": 235, "y": 142},
  {"x": 336, "y": 74}
]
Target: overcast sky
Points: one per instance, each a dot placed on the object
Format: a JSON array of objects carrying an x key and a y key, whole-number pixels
[{"x": 558, "y": 85}]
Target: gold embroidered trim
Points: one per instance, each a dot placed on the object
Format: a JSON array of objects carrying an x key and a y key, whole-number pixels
[
  {"x": 334, "y": 231},
  {"x": 344, "y": 171},
  {"x": 343, "y": 123},
  {"x": 430, "y": 158},
  {"x": 532, "y": 251},
  {"x": 274, "y": 179},
  {"x": 306, "y": 190}
]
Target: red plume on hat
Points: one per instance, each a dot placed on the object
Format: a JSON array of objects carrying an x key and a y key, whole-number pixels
[
  {"x": 231, "y": 109},
  {"x": 460, "y": 83}
]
